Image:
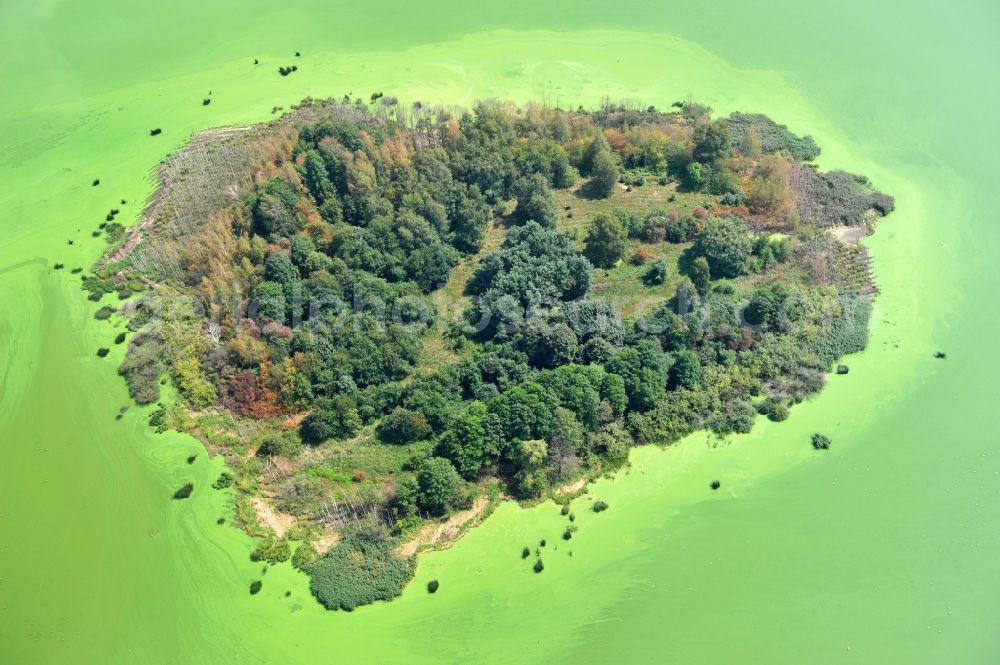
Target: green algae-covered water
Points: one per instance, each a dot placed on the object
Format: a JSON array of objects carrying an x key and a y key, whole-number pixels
[{"x": 884, "y": 550}]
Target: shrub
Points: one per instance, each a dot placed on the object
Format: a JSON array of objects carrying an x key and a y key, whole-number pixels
[
  {"x": 774, "y": 409},
  {"x": 104, "y": 313},
  {"x": 767, "y": 136},
  {"x": 119, "y": 338},
  {"x": 727, "y": 245},
  {"x": 359, "y": 570},
  {"x": 641, "y": 256},
  {"x": 656, "y": 273},
  {"x": 184, "y": 491},
  {"x": 335, "y": 420},
  {"x": 103, "y": 351},
  {"x": 142, "y": 367},
  {"x": 304, "y": 555},
  {"x": 403, "y": 426},
  {"x": 224, "y": 480},
  {"x": 525, "y": 553},
  {"x": 287, "y": 445},
  {"x": 432, "y": 586},
  {"x": 539, "y": 566},
  {"x": 255, "y": 587},
  {"x": 820, "y": 441},
  {"x": 681, "y": 229},
  {"x": 836, "y": 197},
  {"x": 272, "y": 550},
  {"x": 600, "y": 506}
]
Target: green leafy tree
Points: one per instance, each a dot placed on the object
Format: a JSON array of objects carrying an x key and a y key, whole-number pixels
[
  {"x": 644, "y": 368},
  {"x": 535, "y": 201},
  {"x": 711, "y": 141},
  {"x": 469, "y": 442},
  {"x": 278, "y": 268},
  {"x": 333, "y": 419},
  {"x": 604, "y": 174},
  {"x": 694, "y": 176},
  {"x": 317, "y": 180},
  {"x": 470, "y": 216},
  {"x": 403, "y": 426},
  {"x": 302, "y": 247},
  {"x": 549, "y": 345},
  {"x": 726, "y": 245},
  {"x": 269, "y": 298},
  {"x": 438, "y": 485},
  {"x": 596, "y": 146},
  {"x": 686, "y": 371},
  {"x": 701, "y": 275},
  {"x": 605, "y": 242}
]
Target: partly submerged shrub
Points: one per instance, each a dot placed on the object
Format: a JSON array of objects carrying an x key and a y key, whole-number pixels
[
  {"x": 184, "y": 491},
  {"x": 272, "y": 550},
  {"x": 224, "y": 480},
  {"x": 820, "y": 441}
]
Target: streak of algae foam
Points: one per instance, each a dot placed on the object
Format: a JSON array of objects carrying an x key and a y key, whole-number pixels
[{"x": 157, "y": 581}]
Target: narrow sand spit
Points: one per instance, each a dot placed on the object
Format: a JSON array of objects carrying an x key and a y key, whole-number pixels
[
  {"x": 575, "y": 486},
  {"x": 441, "y": 532},
  {"x": 849, "y": 235}
]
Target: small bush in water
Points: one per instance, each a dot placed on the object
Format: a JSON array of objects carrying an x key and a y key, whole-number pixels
[
  {"x": 184, "y": 491},
  {"x": 820, "y": 441}
]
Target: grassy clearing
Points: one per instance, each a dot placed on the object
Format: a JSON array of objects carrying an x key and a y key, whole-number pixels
[
  {"x": 450, "y": 301},
  {"x": 623, "y": 285},
  {"x": 637, "y": 201}
]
